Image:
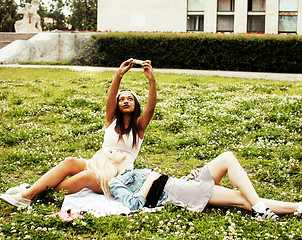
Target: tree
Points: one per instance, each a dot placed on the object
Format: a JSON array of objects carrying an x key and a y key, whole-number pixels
[
  {"x": 84, "y": 15},
  {"x": 56, "y": 13},
  {"x": 8, "y": 15}
]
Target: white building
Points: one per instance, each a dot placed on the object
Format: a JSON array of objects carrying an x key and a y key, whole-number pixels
[{"x": 238, "y": 16}]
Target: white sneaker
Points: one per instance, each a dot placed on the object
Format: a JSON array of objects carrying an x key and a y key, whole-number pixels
[
  {"x": 19, "y": 189},
  {"x": 299, "y": 212},
  {"x": 268, "y": 214},
  {"x": 16, "y": 200}
]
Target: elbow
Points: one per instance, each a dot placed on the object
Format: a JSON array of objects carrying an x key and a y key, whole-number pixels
[
  {"x": 133, "y": 205},
  {"x": 134, "y": 208},
  {"x": 136, "y": 203}
]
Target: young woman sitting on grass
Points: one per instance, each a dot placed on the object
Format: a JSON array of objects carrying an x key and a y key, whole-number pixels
[
  {"x": 146, "y": 188},
  {"x": 124, "y": 131}
]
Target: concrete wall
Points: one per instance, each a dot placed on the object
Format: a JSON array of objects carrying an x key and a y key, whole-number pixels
[
  {"x": 138, "y": 15},
  {"x": 240, "y": 17},
  {"x": 210, "y": 16},
  {"x": 272, "y": 16},
  {"x": 45, "y": 46}
]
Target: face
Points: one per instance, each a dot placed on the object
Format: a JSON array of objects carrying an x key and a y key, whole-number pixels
[
  {"x": 126, "y": 102},
  {"x": 116, "y": 156}
]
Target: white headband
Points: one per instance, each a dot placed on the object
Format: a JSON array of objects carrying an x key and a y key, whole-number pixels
[{"x": 120, "y": 92}]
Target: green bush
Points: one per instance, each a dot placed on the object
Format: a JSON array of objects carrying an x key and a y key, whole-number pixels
[{"x": 234, "y": 52}]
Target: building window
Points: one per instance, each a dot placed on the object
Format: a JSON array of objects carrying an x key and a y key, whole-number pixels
[
  {"x": 195, "y": 5},
  {"x": 195, "y": 20},
  {"x": 225, "y": 15},
  {"x": 225, "y": 23},
  {"x": 288, "y": 5},
  {"x": 255, "y": 23},
  {"x": 225, "y": 5},
  {"x": 288, "y": 11},
  {"x": 256, "y": 16},
  {"x": 288, "y": 24},
  {"x": 195, "y": 23},
  {"x": 256, "y": 5}
]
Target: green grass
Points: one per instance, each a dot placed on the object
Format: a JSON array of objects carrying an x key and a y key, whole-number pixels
[{"x": 49, "y": 114}]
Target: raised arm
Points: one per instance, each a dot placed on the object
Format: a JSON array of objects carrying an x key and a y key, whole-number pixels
[
  {"x": 113, "y": 90},
  {"x": 145, "y": 118}
]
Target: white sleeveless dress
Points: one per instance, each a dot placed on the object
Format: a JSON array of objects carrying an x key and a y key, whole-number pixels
[{"x": 111, "y": 143}]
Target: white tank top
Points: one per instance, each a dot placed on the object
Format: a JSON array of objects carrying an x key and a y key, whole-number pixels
[{"x": 111, "y": 142}]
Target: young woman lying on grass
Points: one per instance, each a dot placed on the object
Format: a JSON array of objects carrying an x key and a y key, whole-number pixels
[
  {"x": 146, "y": 188},
  {"x": 124, "y": 131}
]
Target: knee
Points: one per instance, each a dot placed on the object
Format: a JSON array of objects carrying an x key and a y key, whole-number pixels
[
  {"x": 228, "y": 157},
  {"x": 74, "y": 164},
  {"x": 228, "y": 154}
]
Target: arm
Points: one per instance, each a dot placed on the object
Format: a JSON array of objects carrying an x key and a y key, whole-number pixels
[
  {"x": 145, "y": 118},
  {"x": 111, "y": 99},
  {"x": 148, "y": 183},
  {"x": 132, "y": 200}
]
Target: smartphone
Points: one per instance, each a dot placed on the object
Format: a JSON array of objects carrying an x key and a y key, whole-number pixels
[{"x": 140, "y": 62}]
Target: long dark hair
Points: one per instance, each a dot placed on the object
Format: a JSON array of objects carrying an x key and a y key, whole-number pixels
[{"x": 120, "y": 126}]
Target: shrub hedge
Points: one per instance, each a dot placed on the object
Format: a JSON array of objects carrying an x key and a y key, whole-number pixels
[{"x": 232, "y": 52}]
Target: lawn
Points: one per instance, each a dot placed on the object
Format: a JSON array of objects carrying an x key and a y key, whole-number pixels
[{"x": 49, "y": 114}]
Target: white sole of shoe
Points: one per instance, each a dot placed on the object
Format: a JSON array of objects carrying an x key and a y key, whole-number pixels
[
  {"x": 18, "y": 189},
  {"x": 8, "y": 199}
]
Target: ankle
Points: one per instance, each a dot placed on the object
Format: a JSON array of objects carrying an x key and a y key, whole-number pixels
[
  {"x": 26, "y": 195},
  {"x": 260, "y": 207}
]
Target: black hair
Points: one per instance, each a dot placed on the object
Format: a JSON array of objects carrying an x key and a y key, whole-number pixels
[{"x": 120, "y": 126}]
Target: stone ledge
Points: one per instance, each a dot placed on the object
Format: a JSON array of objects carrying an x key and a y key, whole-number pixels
[{"x": 45, "y": 46}]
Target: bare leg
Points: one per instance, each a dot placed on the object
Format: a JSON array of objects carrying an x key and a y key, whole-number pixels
[
  {"x": 226, "y": 163},
  {"x": 225, "y": 197},
  {"x": 280, "y": 207},
  {"x": 68, "y": 167},
  {"x": 77, "y": 182}
]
